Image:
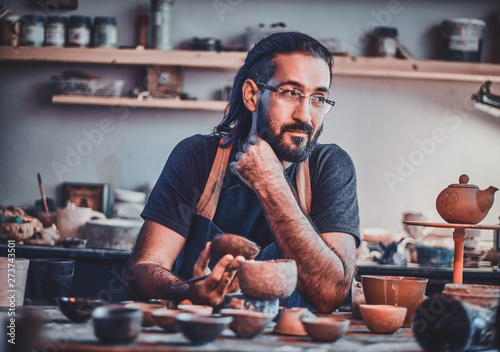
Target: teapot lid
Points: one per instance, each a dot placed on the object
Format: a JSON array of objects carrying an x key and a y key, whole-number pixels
[{"x": 463, "y": 183}]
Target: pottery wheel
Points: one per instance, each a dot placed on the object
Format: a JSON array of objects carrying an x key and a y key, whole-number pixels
[{"x": 458, "y": 238}]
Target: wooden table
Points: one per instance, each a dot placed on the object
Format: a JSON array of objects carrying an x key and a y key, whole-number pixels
[{"x": 62, "y": 335}]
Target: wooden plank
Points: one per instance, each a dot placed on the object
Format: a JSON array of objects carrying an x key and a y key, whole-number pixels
[{"x": 212, "y": 105}]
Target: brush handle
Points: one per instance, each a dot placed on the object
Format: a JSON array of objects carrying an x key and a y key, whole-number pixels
[{"x": 42, "y": 192}]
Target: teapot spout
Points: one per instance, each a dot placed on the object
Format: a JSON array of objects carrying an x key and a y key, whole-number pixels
[{"x": 485, "y": 198}]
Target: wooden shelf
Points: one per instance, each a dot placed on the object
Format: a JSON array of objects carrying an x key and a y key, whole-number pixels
[
  {"x": 135, "y": 103},
  {"x": 344, "y": 66}
]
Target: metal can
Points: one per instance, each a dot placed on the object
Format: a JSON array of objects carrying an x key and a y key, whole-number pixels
[
  {"x": 105, "y": 32},
  {"x": 79, "y": 31},
  {"x": 162, "y": 24},
  {"x": 11, "y": 30},
  {"x": 463, "y": 38},
  {"x": 55, "y": 31},
  {"x": 32, "y": 30},
  {"x": 385, "y": 41}
]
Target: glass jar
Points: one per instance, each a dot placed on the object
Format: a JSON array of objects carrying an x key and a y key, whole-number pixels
[
  {"x": 32, "y": 30},
  {"x": 105, "y": 32},
  {"x": 161, "y": 24},
  {"x": 385, "y": 41},
  {"x": 11, "y": 30},
  {"x": 55, "y": 31},
  {"x": 79, "y": 31}
]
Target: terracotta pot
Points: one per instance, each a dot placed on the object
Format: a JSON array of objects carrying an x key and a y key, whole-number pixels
[
  {"x": 290, "y": 321},
  {"x": 396, "y": 291},
  {"x": 268, "y": 278}
]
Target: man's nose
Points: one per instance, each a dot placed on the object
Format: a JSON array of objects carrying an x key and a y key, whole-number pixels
[{"x": 302, "y": 111}]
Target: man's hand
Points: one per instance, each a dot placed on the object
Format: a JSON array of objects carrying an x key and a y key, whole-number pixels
[
  {"x": 257, "y": 163},
  {"x": 212, "y": 290}
]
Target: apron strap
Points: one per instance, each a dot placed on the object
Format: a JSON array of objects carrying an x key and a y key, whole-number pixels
[
  {"x": 207, "y": 205},
  {"x": 304, "y": 186}
]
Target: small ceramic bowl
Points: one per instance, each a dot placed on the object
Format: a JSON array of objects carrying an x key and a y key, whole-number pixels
[
  {"x": 165, "y": 318},
  {"x": 201, "y": 329},
  {"x": 268, "y": 278},
  {"x": 196, "y": 309},
  {"x": 382, "y": 319},
  {"x": 78, "y": 310},
  {"x": 147, "y": 309},
  {"x": 117, "y": 324},
  {"x": 325, "y": 329},
  {"x": 247, "y": 323},
  {"x": 164, "y": 302}
]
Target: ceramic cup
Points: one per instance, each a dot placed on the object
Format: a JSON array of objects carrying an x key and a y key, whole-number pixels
[
  {"x": 13, "y": 275},
  {"x": 49, "y": 278}
]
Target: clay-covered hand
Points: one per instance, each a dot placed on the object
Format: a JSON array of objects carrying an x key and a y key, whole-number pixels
[
  {"x": 212, "y": 290},
  {"x": 257, "y": 164}
]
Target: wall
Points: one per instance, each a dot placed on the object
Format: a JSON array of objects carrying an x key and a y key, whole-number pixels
[{"x": 387, "y": 125}]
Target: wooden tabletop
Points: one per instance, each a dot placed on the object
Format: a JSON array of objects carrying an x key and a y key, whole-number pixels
[{"x": 62, "y": 335}]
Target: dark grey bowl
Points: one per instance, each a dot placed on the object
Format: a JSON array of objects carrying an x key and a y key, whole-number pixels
[
  {"x": 117, "y": 324},
  {"x": 76, "y": 309},
  {"x": 201, "y": 329}
]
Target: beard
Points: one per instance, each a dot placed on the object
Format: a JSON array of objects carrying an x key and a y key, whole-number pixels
[{"x": 299, "y": 150}]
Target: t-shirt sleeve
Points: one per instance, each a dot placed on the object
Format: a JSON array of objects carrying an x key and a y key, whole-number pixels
[
  {"x": 334, "y": 205},
  {"x": 172, "y": 202}
]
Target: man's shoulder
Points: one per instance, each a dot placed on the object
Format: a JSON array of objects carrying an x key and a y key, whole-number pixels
[{"x": 323, "y": 152}]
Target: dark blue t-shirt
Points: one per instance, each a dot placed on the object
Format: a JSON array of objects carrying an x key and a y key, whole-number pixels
[{"x": 173, "y": 201}]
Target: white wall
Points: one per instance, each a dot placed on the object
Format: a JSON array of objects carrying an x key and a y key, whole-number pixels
[{"x": 380, "y": 122}]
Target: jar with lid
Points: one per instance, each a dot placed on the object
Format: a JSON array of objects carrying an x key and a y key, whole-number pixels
[
  {"x": 55, "y": 31},
  {"x": 162, "y": 24},
  {"x": 105, "y": 32},
  {"x": 385, "y": 40},
  {"x": 79, "y": 31},
  {"x": 32, "y": 30},
  {"x": 11, "y": 30}
]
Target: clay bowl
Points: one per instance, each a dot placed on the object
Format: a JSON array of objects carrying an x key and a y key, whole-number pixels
[
  {"x": 485, "y": 296},
  {"x": 402, "y": 291},
  {"x": 325, "y": 329},
  {"x": 201, "y": 329},
  {"x": 247, "y": 323},
  {"x": 196, "y": 309},
  {"x": 268, "y": 278},
  {"x": 147, "y": 309},
  {"x": 228, "y": 243},
  {"x": 117, "y": 324},
  {"x": 382, "y": 319},
  {"x": 78, "y": 310},
  {"x": 165, "y": 318}
]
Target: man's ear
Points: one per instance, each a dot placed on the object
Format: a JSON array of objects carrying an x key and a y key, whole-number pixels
[{"x": 250, "y": 96}]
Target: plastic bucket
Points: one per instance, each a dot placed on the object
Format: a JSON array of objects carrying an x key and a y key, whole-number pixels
[
  {"x": 13, "y": 285},
  {"x": 463, "y": 39}
]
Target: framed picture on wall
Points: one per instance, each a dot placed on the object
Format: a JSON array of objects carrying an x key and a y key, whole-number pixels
[{"x": 88, "y": 195}]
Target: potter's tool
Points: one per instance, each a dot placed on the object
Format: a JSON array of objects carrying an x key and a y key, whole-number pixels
[
  {"x": 196, "y": 279},
  {"x": 44, "y": 199}
]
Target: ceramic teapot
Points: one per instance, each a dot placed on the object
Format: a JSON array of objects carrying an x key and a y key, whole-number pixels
[
  {"x": 72, "y": 219},
  {"x": 463, "y": 203}
]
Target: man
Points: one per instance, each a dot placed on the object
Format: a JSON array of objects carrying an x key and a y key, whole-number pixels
[{"x": 261, "y": 175}]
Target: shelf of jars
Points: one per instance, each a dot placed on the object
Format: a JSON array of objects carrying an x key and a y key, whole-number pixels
[{"x": 344, "y": 65}]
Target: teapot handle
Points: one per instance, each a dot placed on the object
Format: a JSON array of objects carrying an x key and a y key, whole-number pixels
[{"x": 97, "y": 215}]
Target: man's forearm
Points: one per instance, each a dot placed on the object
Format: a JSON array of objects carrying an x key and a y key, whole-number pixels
[
  {"x": 148, "y": 280},
  {"x": 324, "y": 275}
]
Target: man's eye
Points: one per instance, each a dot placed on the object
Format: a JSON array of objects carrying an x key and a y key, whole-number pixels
[
  {"x": 290, "y": 92},
  {"x": 320, "y": 99}
]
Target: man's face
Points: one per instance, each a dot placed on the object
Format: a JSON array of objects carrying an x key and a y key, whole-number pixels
[{"x": 293, "y": 131}]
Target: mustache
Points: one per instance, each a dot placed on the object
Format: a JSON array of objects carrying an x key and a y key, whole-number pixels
[{"x": 298, "y": 126}]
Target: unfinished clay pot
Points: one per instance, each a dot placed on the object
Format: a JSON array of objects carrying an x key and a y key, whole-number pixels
[
  {"x": 400, "y": 291},
  {"x": 268, "y": 278},
  {"x": 228, "y": 243},
  {"x": 147, "y": 309},
  {"x": 325, "y": 329},
  {"x": 463, "y": 203},
  {"x": 247, "y": 323},
  {"x": 290, "y": 321},
  {"x": 165, "y": 318},
  {"x": 382, "y": 319}
]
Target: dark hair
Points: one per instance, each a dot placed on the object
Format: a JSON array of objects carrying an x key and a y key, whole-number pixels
[{"x": 259, "y": 66}]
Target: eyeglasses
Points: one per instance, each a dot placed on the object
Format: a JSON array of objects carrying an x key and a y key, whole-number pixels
[{"x": 318, "y": 103}]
